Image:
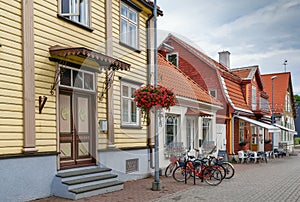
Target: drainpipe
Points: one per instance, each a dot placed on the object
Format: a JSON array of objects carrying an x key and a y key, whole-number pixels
[{"x": 148, "y": 33}]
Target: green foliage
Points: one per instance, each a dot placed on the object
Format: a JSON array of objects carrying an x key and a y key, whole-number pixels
[
  {"x": 296, "y": 140},
  {"x": 297, "y": 99}
]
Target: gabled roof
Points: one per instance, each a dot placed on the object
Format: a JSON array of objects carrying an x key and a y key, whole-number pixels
[
  {"x": 212, "y": 63},
  {"x": 248, "y": 73},
  {"x": 245, "y": 72},
  {"x": 234, "y": 94},
  {"x": 173, "y": 78},
  {"x": 281, "y": 85}
]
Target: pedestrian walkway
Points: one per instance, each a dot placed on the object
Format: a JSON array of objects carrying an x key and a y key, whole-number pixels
[{"x": 140, "y": 190}]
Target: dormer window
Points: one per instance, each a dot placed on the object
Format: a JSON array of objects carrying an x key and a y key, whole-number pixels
[{"x": 173, "y": 58}]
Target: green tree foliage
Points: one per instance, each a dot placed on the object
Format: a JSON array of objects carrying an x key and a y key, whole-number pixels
[{"x": 297, "y": 100}]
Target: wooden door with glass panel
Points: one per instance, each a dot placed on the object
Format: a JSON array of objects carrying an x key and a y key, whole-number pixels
[{"x": 76, "y": 129}]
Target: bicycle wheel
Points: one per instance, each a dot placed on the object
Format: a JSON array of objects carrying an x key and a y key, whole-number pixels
[
  {"x": 169, "y": 170},
  {"x": 179, "y": 174},
  {"x": 222, "y": 169},
  {"x": 229, "y": 170},
  {"x": 212, "y": 176}
]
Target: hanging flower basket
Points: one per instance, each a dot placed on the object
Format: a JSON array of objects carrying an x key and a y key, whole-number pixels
[{"x": 149, "y": 96}]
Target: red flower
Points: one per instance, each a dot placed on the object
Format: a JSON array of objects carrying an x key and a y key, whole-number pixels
[{"x": 149, "y": 96}]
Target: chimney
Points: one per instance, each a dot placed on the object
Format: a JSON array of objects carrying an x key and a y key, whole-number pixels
[{"x": 224, "y": 58}]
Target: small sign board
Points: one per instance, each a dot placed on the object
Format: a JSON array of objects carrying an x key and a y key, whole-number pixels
[{"x": 223, "y": 153}]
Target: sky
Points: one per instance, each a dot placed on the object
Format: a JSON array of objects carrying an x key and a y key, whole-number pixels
[{"x": 255, "y": 32}]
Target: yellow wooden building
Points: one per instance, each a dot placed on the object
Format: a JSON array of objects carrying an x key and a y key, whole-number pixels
[{"x": 67, "y": 74}]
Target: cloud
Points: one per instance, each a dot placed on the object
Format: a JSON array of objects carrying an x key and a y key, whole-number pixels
[{"x": 261, "y": 32}]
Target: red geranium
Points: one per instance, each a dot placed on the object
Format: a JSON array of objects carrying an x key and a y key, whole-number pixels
[{"x": 149, "y": 96}]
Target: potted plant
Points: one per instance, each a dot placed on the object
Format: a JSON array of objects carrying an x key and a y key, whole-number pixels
[
  {"x": 242, "y": 143},
  {"x": 153, "y": 96},
  {"x": 267, "y": 141}
]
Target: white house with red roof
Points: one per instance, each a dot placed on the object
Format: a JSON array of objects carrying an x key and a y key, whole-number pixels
[
  {"x": 192, "y": 122},
  {"x": 245, "y": 104}
]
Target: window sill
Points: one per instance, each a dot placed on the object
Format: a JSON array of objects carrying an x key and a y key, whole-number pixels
[
  {"x": 75, "y": 23},
  {"x": 129, "y": 47},
  {"x": 131, "y": 127}
]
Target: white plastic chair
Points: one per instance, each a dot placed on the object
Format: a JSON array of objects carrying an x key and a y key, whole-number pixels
[
  {"x": 253, "y": 157},
  {"x": 242, "y": 156}
]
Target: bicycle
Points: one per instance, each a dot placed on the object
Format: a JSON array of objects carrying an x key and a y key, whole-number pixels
[
  {"x": 229, "y": 168},
  {"x": 174, "y": 162},
  {"x": 198, "y": 168}
]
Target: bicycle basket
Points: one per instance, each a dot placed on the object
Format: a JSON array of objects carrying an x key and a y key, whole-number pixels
[{"x": 173, "y": 159}]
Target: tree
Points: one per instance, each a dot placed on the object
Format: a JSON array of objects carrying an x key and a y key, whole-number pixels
[{"x": 297, "y": 100}]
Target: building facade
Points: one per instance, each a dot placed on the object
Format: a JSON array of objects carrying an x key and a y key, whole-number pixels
[
  {"x": 283, "y": 105},
  {"x": 191, "y": 123},
  {"x": 68, "y": 70}
]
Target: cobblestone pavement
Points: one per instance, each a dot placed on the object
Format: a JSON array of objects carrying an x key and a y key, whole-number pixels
[{"x": 279, "y": 180}]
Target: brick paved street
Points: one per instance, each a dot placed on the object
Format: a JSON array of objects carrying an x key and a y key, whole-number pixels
[{"x": 276, "y": 181}]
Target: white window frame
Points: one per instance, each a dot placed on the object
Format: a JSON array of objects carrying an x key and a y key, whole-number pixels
[
  {"x": 213, "y": 91},
  {"x": 242, "y": 126},
  {"x": 131, "y": 88},
  {"x": 79, "y": 11},
  {"x": 254, "y": 98},
  {"x": 175, "y": 129},
  {"x": 127, "y": 37},
  {"x": 83, "y": 73},
  {"x": 207, "y": 127},
  {"x": 170, "y": 54},
  {"x": 287, "y": 102}
]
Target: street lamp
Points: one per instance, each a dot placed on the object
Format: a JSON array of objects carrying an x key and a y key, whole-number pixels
[
  {"x": 156, "y": 184},
  {"x": 273, "y": 118}
]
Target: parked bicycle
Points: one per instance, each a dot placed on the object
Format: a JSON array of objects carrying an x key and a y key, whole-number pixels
[
  {"x": 228, "y": 167},
  {"x": 198, "y": 169},
  {"x": 174, "y": 162}
]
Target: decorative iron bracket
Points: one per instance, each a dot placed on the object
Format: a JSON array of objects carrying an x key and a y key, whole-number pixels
[
  {"x": 107, "y": 83},
  {"x": 42, "y": 102}
]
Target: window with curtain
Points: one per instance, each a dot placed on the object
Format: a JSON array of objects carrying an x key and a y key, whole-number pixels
[{"x": 242, "y": 130}]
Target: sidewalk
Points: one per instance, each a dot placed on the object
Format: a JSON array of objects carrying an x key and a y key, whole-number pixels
[{"x": 140, "y": 190}]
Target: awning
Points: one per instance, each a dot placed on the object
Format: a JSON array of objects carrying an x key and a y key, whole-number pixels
[
  {"x": 271, "y": 128},
  {"x": 286, "y": 129},
  {"x": 86, "y": 57},
  {"x": 196, "y": 112}
]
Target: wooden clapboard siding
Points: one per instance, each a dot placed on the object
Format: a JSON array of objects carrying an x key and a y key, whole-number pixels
[
  {"x": 138, "y": 72},
  {"x": 49, "y": 31},
  {"x": 11, "y": 79},
  {"x": 102, "y": 110}
]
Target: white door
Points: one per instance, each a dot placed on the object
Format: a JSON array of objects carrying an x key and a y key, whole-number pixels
[{"x": 221, "y": 136}]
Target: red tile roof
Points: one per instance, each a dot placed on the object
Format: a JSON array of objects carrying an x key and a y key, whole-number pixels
[
  {"x": 173, "y": 78},
  {"x": 196, "y": 52},
  {"x": 281, "y": 84},
  {"x": 245, "y": 72},
  {"x": 235, "y": 93}
]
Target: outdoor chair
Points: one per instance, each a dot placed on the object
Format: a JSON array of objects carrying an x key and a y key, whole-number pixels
[{"x": 243, "y": 157}]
